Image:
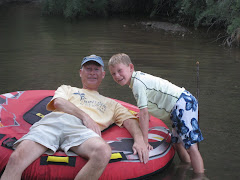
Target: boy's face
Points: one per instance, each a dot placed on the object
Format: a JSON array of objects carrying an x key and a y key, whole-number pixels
[{"x": 122, "y": 73}]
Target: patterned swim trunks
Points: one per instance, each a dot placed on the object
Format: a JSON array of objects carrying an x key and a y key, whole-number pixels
[{"x": 184, "y": 118}]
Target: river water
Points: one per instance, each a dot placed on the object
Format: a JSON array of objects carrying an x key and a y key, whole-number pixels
[{"x": 38, "y": 52}]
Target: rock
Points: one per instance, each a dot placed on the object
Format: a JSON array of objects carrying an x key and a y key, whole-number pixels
[{"x": 165, "y": 26}]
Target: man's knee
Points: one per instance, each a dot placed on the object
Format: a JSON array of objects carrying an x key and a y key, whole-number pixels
[
  {"x": 102, "y": 152},
  {"x": 15, "y": 158}
]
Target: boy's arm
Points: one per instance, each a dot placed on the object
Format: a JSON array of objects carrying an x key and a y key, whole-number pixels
[
  {"x": 144, "y": 123},
  {"x": 65, "y": 106},
  {"x": 139, "y": 146}
]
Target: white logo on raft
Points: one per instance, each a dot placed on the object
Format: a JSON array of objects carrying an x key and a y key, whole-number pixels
[
  {"x": 159, "y": 137},
  {"x": 9, "y": 117}
]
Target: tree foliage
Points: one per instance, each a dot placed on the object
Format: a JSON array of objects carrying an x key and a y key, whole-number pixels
[
  {"x": 75, "y": 8},
  {"x": 210, "y": 13},
  {"x": 224, "y": 14}
]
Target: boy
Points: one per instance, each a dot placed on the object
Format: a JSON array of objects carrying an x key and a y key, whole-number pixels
[{"x": 165, "y": 101}]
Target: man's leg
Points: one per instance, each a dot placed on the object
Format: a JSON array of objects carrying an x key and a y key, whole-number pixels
[
  {"x": 98, "y": 153},
  {"x": 26, "y": 152}
]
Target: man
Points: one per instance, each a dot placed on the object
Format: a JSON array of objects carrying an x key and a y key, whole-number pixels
[{"x": 76, "y": 123}]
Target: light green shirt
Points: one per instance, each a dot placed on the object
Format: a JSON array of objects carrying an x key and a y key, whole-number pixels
[{"x": 154, "y": 93}]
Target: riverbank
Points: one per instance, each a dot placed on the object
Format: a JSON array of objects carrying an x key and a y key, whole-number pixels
[
  {"x": 173, "y": 27},
  {"x": 2, "y": 2}
]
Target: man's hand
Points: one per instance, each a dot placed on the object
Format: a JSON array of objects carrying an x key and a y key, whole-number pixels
[
  {"x": 142, "y": 150},
  {"x": 65, "y": 106},
  {"x": 91, "y": 124}
]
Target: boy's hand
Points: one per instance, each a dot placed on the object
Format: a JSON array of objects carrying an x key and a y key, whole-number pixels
[
  {"x": 142, "y": 151},
  {"x": 149, "y": 147}
]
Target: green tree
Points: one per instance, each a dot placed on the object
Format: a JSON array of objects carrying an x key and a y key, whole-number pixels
[
  {"x": 224, "y": 14},
  {"x": 75, "y": 8}
]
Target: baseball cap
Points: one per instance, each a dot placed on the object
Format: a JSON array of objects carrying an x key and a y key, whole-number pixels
[{"x": 93, "y": 57}]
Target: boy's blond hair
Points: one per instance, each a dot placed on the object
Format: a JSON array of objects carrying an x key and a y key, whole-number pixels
[{"x": 119, "y": 58}]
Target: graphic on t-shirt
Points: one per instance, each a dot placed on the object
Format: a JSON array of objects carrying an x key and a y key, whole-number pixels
[
  {"x": 91, "y": 103},
  {"x": 82, "y": 95}
]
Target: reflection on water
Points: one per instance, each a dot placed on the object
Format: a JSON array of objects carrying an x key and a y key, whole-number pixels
[
  {"x": 180, "y": 171},
  {"x": 39, "y": 52}
]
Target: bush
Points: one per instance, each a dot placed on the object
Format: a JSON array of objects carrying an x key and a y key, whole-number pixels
[
  {"x": 210, "y": 13},
  {"x": 224, "y": 14},
  {"x": 75, "y": 8}
]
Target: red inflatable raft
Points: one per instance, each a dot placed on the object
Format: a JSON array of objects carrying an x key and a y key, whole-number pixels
[{"x": 19, "y": 110}]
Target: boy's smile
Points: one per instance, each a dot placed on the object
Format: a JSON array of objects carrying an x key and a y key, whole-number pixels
[{"x": 122, "y": 73}]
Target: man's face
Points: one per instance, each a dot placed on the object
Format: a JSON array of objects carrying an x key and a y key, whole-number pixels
[{"x": 91, "y": 75}]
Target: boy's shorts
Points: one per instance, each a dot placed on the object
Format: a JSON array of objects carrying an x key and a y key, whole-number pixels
[
  {"x": 184, "y": 117},
  {"x": 58, "y": 130}
]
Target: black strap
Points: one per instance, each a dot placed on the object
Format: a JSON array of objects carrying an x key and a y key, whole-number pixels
[
  {"x": 8, "y": 143},
  {"x": 72, "y": 161},
  {"x": 123, "y": 157},
  {"x": 2, "y": 136},
  {"x": 38, "y": 111}
]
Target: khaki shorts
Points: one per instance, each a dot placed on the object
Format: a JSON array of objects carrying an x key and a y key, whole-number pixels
[{"x": 58, "y": 131}]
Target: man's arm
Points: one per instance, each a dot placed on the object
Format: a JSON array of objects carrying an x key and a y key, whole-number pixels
[
  {"x": 65, "y": 106},
  {"x": 139, "y": 146}
]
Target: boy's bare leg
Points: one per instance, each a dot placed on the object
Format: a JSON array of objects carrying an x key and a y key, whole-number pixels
[
  {"x": 98, "y": 153},
  {"x": 196, "y": 159},
  {"x": 182, "y": 153},
  {"x": 26, "y": 152},
  {"x": 191, "y": 155}
]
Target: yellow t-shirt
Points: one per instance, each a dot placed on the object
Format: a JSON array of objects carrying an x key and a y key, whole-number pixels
[{"x": 101, "y": 109}]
